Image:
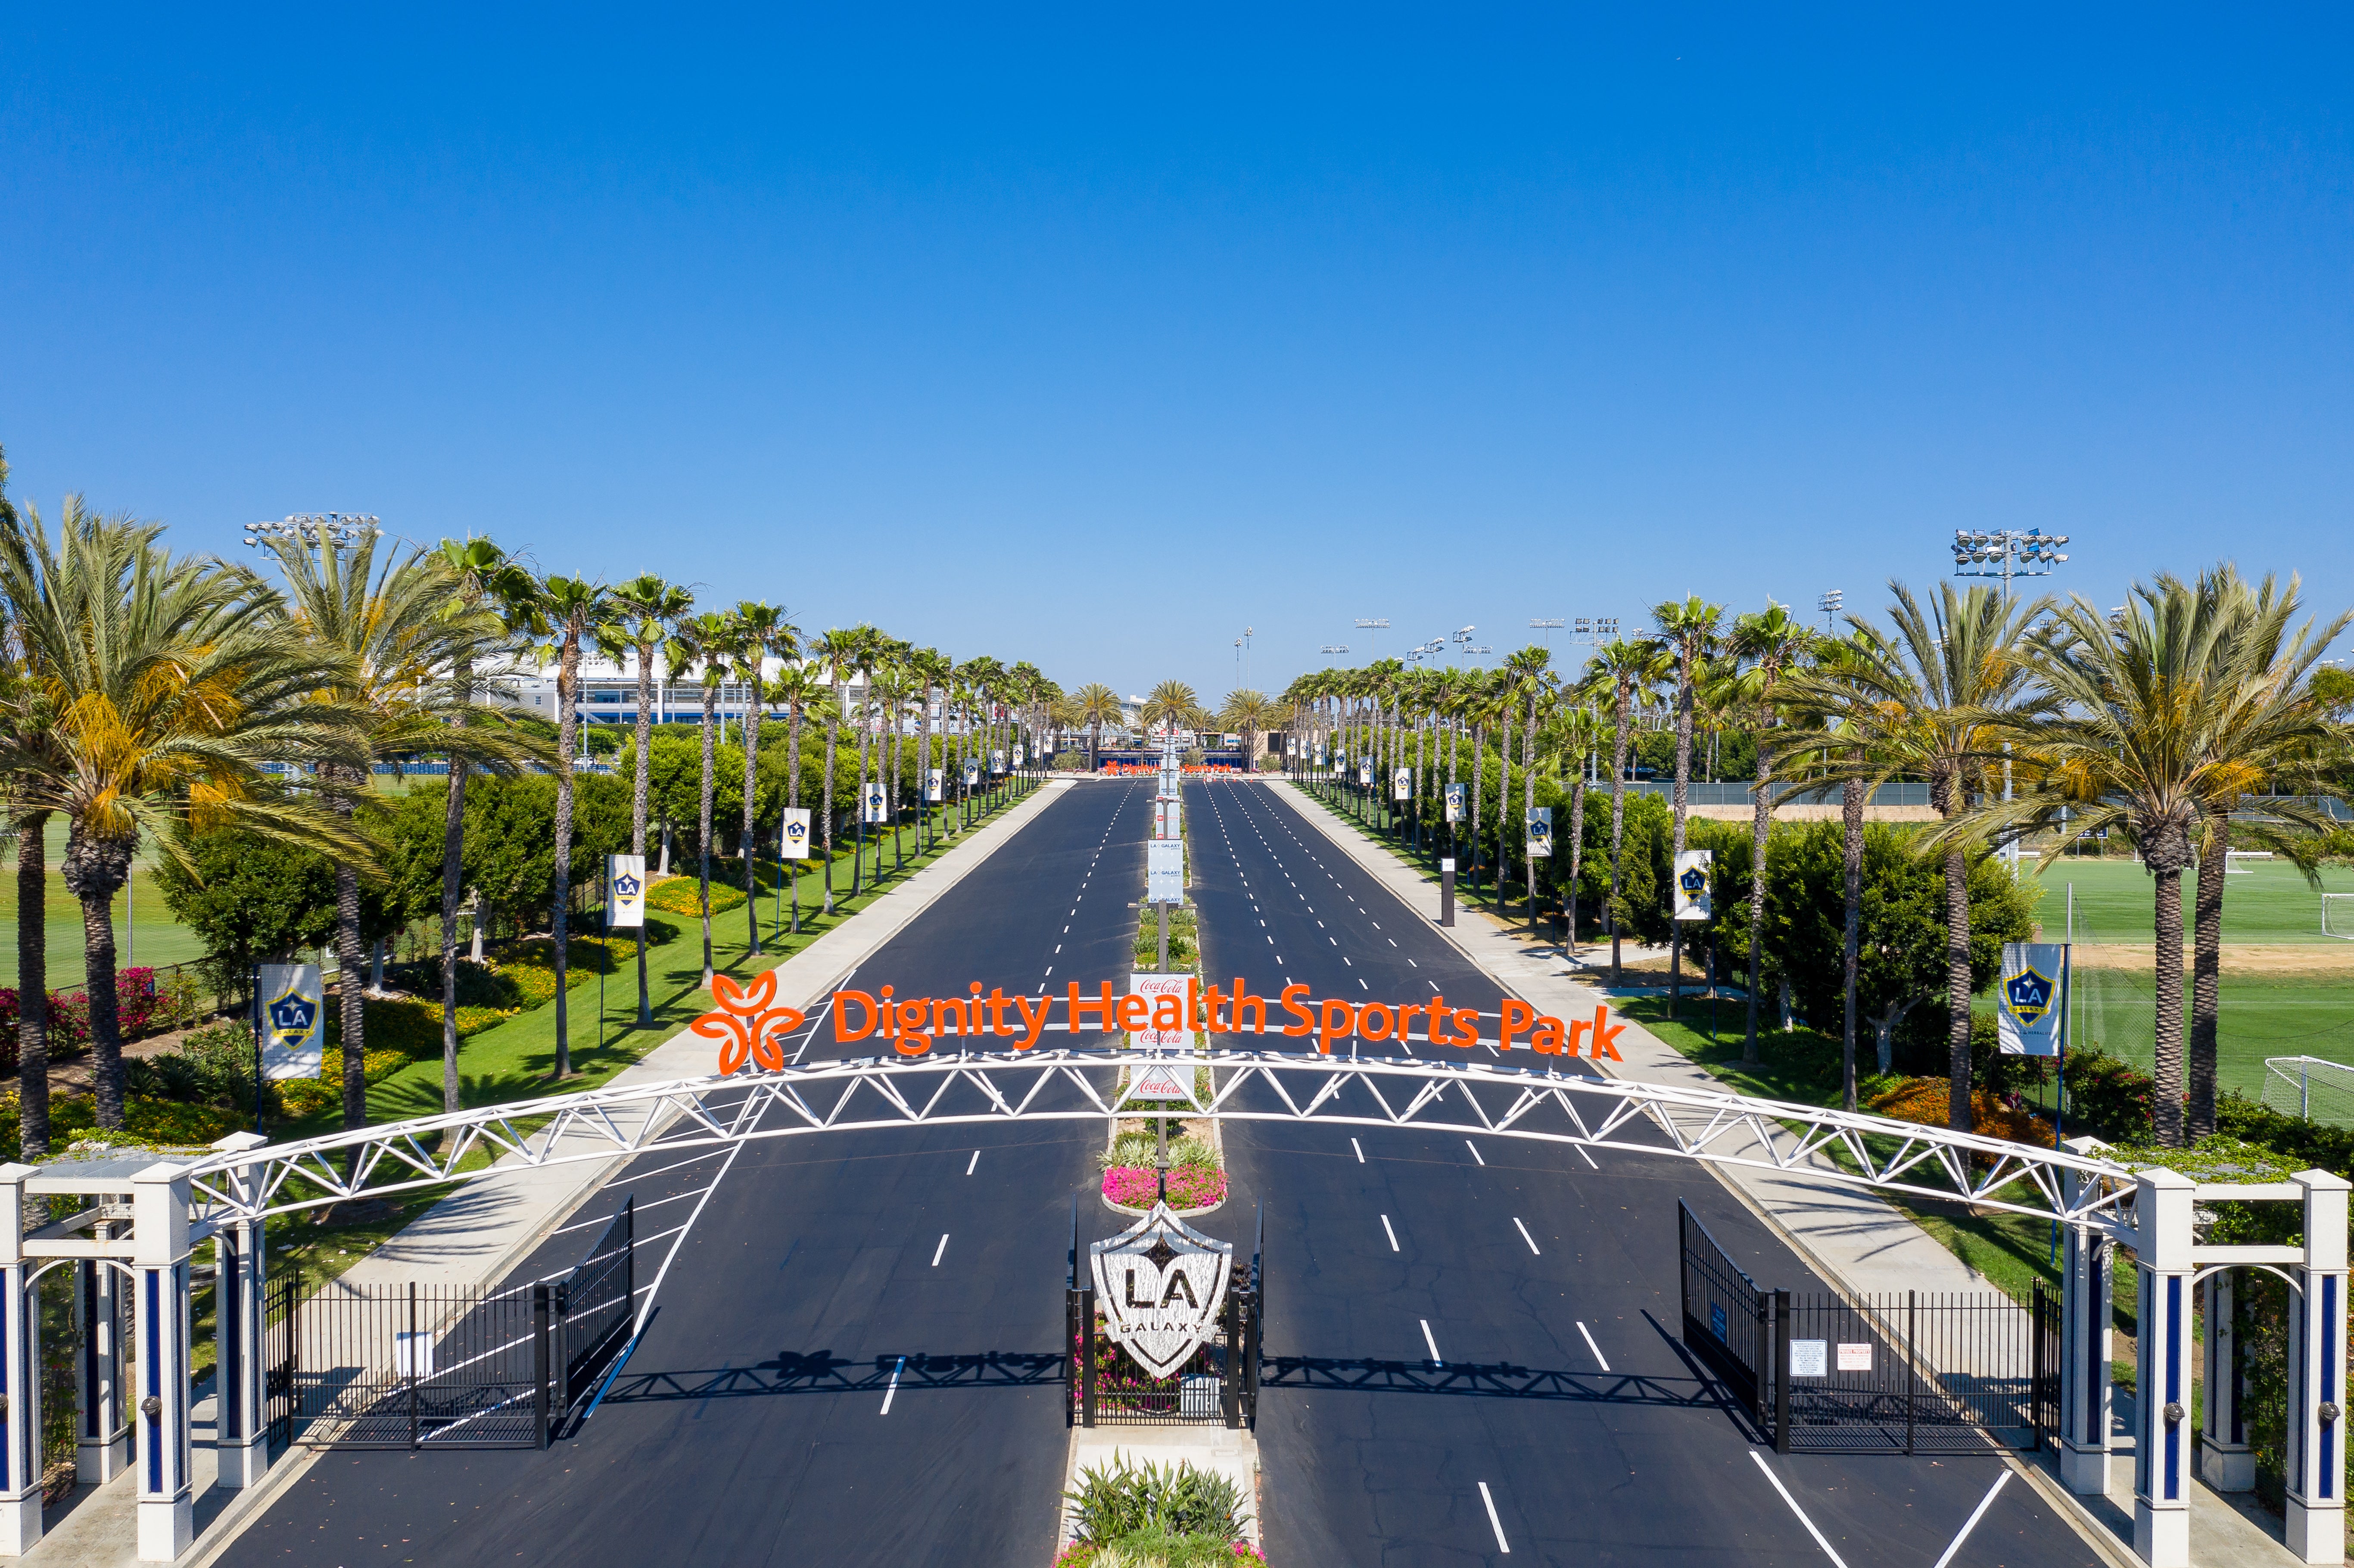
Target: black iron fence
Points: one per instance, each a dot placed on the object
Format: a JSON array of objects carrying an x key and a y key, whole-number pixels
[
  {"x": 1897, "y": 1373},
  {"x": 405, "y": 1365},
  {"x": 1217, "y": 1387}
]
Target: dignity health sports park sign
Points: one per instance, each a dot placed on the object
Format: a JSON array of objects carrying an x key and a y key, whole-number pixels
[{"x": 749, "y": 1026}]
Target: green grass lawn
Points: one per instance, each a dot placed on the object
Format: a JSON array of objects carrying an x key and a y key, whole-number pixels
[{"x": 2117, "y": 902}]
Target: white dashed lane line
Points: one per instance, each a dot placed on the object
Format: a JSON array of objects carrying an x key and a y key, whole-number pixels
[
  {"x": 1390, "y": 1232},
  {"x": 1530, "y": 1239},
  {"x": 1590, "y": 1345}
]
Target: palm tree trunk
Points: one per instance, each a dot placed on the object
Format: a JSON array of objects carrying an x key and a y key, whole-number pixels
[
  {"x": 703, "y": 861},
  {"x": 2165, "y": 1064},
  {"x": 1617, "y": 817},
  {"x": 750, "y": 846},
  {"x": 568, "y": 721},
  {"x": 793, "y": 800},
  {"x": 1683, "y": 807},
  {"x": 1529, "y": 788},
  {"x": 350, "y": 995},
  {"x": 94, "y": 869},
  {"x": 858, "y": 856},
  {"x": 1851, "y": 858},
  {"x": 1957, "y": 988},
  {"x": 638, "y": 794},
  {"x": 32, "y": 987},
  {"x": 2207, "y": 954},
  {"x": 1479, "y": 788},
  {"x": 832, "y": 735},
  {"x": 1760, "y": 823}
]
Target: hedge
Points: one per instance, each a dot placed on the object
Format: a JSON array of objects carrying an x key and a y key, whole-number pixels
[
  {"x": 136, "y": 1006},
  {"x": 152, "y": 1124},
  {"x": 677, "y": 895}
]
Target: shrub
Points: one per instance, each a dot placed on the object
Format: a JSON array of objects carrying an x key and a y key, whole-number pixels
[
  {"x": 1143, "y": 1148},
  {"x": 2107, "y": 1097},
  {"x": 152, "y": 1124},
  {"x": 1927, "y": 1102},
  {"x": 1120, "y": 1501},
  {"x": 1190, "y": 1186},
  {"x": 678, "y": 895},
  {"x": 412, "y": 1026}
]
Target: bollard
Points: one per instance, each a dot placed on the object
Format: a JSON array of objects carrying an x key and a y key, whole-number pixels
[{"x": 1446, "y": 891}]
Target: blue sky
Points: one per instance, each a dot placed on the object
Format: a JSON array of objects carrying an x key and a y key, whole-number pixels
[{"x": 1092, "y": 338}]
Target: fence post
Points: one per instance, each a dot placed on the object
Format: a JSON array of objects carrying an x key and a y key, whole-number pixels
[
  {"x": 1912, "y": 1364},
  {"x": 1781, "y": 1365},
  {"x": 1230, "y": 1386},
  {"x": 539, "y": 1360},
  {"x": 159, "y": 1234},
  {"x": 1087, "y": 1358},
  {"x": 241, "y": 1315},
  {"x": 2035, "y": 1365},
  {"x": 411, "y": 1363},
  {"x": 20, "y": 1361}
]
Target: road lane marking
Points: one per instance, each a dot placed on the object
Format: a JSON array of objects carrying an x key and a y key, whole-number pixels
[
  {"x": 1584, "y": 1330},
  {"x": 892, "y": 1393},
  {"x": 1583, "y": 1155},
  {"x": 1799, "y": 1511},
  {"x": 1361, "y": 1153},
  {"x": 1532, "y": 1247},
  {"x": 973, "y": 1162},
  {"x": 1441, "y": 1361},
  {"x": 1496, "y": 1525},
  {"x": 943, "y": 1241},
  {"x": 1474, "y": 1149},
  {"x": 1972, "y": 1522},
  {"x": 1391, "y": 1233}
]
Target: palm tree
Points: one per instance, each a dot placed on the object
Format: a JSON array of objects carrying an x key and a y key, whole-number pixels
[
  {"x": 832, "y": 653},
  {"x": 1096, "y": 706},
  {"x": 700, "y": 644},
  {"x": 1533, "y": 681},
  {"x": 1687, "y": 634},
  {"x": 1623, "y": 669},
  {"x": 569, "y": 612},
  {"x": 796, "y": 685},
  {"x": 1166, "y": 706},
  {"x": 1931, "y": 697},
  {"x": 930, "y": 668},
  {"x": 389, "y": 626},
  {"x": 1577, "y": 731},
  {"x": 759, "y": 630},
  {"x": 172, "y": 683},
  {"x": 30, "y": 730},
  {"x": 1771, "y": 644},
  {"x": 645, "y": 609}
]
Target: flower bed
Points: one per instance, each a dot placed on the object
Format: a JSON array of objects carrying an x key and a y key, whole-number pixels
[
  {"x": 1926, "y": 1101},
  {"x": 1137, "y": 1187}
]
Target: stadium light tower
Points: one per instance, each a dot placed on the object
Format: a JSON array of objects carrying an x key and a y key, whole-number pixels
[
  {"x": 341, "y": 529},
  {"x": 1376, "y": 627},
  {"x": 1548, "y": 625},
  {"x": 1333, "y": 647},
  {"x": 2006, "y": 552},
  {"x": 1831, "y": 602}
]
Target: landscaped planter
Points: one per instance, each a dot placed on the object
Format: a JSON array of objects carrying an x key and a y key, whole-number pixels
[{"x": 1134, "y": 1188}]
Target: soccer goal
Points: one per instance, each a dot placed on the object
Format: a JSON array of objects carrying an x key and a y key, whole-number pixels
[
  {"x": 2235, "y": 860},
  {"x": 2337, "y": 916},
  {"x": 2310, "y": 1089}
]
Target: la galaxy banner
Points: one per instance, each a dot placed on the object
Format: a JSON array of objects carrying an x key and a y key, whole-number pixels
[
  {"x": 625, "y": 889},
  {"x": 294, "y": 1020},
  {"x": 2032, "y": 998}
]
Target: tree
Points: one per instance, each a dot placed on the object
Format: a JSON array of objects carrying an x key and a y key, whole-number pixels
[
  {"x": 1167, "y": 704},
  {"x": 391, "y": 628},
  {"x": 1686, "y": 634},
  {"x": 760, "y": 630},
  {"x": 700, "y": 643},
  {"x": 1933, "y": 697},
  {"x": 173, "y": 682},
  {"x": 1622, "y": 669},
  {"x": 1576, "y": 732},
  {"x": 250, "y": 900},
  {"x": 797, "y": 683},
  {"x": 644, "y": 610},
  {"x": 31, "y": 735},
  {"x": 571, "y": 610},
  {"x": 1096, "y": 706},
  {"x": 1771, "y": 643},
  {"x": 833, "y": 654}
]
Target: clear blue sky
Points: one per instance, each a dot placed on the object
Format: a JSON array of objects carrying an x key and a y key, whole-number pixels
[{"x": 1092, "y": 336}]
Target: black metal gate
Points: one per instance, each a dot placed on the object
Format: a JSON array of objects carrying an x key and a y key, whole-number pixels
[
  {"x": 1727, "y": 1317},
  {"x": 405, "y": 1365},
  {"x": 1220, "y": 1386},
  {"x": 1893, "y": 1374}
]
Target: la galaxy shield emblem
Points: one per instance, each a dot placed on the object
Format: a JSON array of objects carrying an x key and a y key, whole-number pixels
[
  {"x": 2028, "y": 995},
  {"x": 291, "y": 1017},
  {"x": 1161, "y": 1283}
]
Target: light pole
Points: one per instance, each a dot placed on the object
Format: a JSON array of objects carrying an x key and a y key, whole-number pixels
[
  {"x": 342, "y": 529},
  {"x": 1461, "y": 637},
  {"x": 2007, "y": 553},
  {"x": 1830, "y": 603},
  {"x": 1248, "y": 632},
  {"x": 1546, "y": 626},
  {"x": 1376, "y": 628}
]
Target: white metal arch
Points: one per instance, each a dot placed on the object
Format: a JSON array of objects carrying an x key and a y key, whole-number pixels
[{"x": 944, "y": 1090}]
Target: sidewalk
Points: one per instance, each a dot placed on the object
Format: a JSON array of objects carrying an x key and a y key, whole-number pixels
[{"x": 489, "y": 1225}]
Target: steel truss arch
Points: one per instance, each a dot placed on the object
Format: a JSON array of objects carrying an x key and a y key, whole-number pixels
[{"x": 980, "y": 1088}]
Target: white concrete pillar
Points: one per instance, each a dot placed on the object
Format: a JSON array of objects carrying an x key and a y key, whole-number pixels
[
  {"x": 103, "y": 1449},
  {"x": 159, "y": 1240},
  {"x": 2085, "y": 1297},
  {"x": 20, "y": 1378},
  {"x": 2225, "y": 1461},
  {"x": 2316, "y": 1377},
  {"x": 2163, "y": 1435},
  {"x": 242, "y": 1425}
]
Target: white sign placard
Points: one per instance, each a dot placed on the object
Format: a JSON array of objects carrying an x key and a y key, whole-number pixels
[
  {"x": 1455, "y": 803},
  {"x": 997, "y": 762},
  {"x": 971, "y": 774},
  {"x": 1810, "y": 1358},
  {"x": 294, "y": 1020},
  {"x": 1154, "y": 987},
  {"x": 1692, "y": 885},
  {"x": 1164, "y": 871},
  {"x": 2029, "y": 998},
  {"x": 625, "y": 892},
  {"x": 412, "y": 1354},
  {"x": 1540, "y": 833},
  {"x": 1365, "y": 774},
  {"x": 1021, "y": 756},
  {"x": 876, "y": 811},
  {"x": 1855, "y": 1358},
  {"x": 794, "y": 842},
  {"x": 936, "y": 784},
  {"x": 1402, "y": 784}
]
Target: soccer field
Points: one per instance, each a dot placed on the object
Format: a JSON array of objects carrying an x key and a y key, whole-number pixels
[{"x": 2287, "y": 990}]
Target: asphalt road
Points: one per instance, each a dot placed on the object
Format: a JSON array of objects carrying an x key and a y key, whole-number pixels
[
  {"x": 1413, "y": 1279},
  {"x": 854, "y": 1354}
]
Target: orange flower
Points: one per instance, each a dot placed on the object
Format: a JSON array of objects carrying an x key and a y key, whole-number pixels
[{"x": 747, "y": 1027}]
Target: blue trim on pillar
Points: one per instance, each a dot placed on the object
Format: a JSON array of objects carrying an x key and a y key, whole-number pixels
[
  {"x": 2092, "y": 1328},
  {"x": 150, "y": 1373},
  {"x": 2327, "y": 1369},
  {"x": 93, "y": 1414},
  {"x": 229, "y": 1313},
  {"x": 2173, "y": 1385},
  {"x": 7, "y": 1383}
]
